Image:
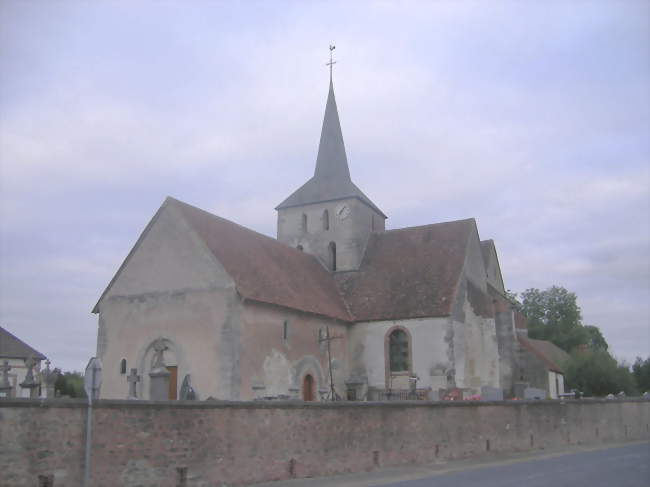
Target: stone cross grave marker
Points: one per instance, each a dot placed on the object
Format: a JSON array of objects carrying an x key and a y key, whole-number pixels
[
  {"x": 158, "y": 358},
  {"x": 29, "y": 382},
  {"x": 50, "y": 377},
  {"x": 133, "y": 380}
]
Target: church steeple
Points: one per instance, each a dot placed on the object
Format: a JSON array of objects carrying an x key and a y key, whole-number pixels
[
  {"x": 331, "y": 180},
  {"x": 332, "y": 162},
  {"x": 328, "y": 216}
]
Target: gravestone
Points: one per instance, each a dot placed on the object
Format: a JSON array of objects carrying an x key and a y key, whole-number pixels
[
  {"x": 533, "y": 393},
  {"x": 133, "y": 380},
  {"x": 50, "y": 377},
  {"x": 6, "y": 389},
  {"x": 159, "y": 383},
  {"x": 519, "y": 388},
  {"x": 491, "y": 394},
  {"x": 452, "y": 394},
  {"x": 29, "y": 382},
  {"x": 187, "y": 391},
  {"x": 433, "y": 395}
]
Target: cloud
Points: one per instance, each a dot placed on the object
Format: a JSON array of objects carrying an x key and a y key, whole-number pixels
[{"x": 532, "y": 118}]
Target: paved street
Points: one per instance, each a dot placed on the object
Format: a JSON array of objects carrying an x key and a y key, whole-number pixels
[{"x": 621, "y": 466}]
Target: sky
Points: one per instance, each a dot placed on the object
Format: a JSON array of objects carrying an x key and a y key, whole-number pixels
[{"x": 532, "y": 117}]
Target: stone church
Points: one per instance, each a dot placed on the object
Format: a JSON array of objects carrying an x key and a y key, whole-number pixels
[{"x": 336, "y": 306}]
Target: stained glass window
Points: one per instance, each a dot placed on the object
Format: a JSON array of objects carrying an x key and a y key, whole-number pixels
[{"x": 398, "y": 349}]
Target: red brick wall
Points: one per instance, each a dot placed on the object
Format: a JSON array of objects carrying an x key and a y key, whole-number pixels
[{"x": 144, "y": 443}]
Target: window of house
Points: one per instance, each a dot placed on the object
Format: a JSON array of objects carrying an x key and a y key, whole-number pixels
[
  {"x": 123, "y": 366},
  {"x": 398, "y": 350},
  {"x": 303, "y": 223},
  {"x": 326, "y": 220},
  {"x": 332, "y": 254}
]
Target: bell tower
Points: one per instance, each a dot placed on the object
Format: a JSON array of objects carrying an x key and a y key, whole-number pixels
[{"x": 329, "y": 216}]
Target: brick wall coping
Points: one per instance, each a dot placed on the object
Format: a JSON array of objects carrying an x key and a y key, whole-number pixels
[{"x": 125, "y": 403}]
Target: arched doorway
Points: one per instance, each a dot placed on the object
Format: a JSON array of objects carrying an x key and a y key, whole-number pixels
[{"x": 308, "y": 388}]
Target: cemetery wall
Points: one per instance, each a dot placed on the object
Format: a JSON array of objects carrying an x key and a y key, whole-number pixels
[{"x": 171, "y": 444}]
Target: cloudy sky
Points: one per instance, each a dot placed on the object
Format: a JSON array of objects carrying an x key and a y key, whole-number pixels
[{"x": 532, "y": 117}]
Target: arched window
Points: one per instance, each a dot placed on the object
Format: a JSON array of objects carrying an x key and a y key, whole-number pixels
[
  {"x": 332, "y": 255},
  {"x": 326, "y": 220},
  {"x": 123, "y": 366},
  {"x": 398, "y": 351},
  {"x": 308, "y": 388},
  {"x": 303, "y": 223}
]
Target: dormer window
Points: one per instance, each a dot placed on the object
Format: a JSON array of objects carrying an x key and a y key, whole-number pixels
[
  {"x": 326, "y": 220},
  {"x": 303, "y": 223}
]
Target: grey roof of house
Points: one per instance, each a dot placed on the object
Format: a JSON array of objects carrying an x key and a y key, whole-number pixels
[
  {"x": 331, "y": 180},
  {"x": 13, "y": 347},
  {"x": 552, "y": 355}
]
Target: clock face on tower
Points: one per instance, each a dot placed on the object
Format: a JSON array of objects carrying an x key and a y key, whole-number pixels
[{"x": 342, "y": 212}]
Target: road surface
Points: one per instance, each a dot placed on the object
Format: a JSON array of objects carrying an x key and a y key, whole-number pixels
[{"x": 619, "y": 466}]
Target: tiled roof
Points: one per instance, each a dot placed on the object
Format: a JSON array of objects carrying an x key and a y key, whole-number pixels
[
  {"x": 13, "y": 347},
  {"x": 408, "y": 273},
  {"x": 264, "y": 269},
  {"x": 552, "y": 355}
]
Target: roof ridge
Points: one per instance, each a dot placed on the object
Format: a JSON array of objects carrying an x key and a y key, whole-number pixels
[
  {"x": 226, "y": 220},
  {"x": 464, "y": 220}
]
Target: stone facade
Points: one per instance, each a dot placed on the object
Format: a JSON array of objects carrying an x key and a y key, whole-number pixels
[
  {"x": 139, "y": 443},
  {"x": 347, "y": 223}
]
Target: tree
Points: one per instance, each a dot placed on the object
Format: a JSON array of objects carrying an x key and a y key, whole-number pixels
[
  {"x": 596, "y": 373},
  {"x": 595, "y": 340},
  {"x": 641, "y": 372},
  {"x": 70, "y": 384},
  {"x": 554, "y": 315}
]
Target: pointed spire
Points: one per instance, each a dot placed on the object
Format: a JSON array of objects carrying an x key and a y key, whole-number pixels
[
  {"x": 331, "y": 162},
  {"x": 331, "y": 179}
]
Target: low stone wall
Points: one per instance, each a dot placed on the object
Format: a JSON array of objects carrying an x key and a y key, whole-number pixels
[{"x": 141, "y": 443}]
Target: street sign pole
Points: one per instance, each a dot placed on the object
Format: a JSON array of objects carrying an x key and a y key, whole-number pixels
[{"x": 92, "y": 382}]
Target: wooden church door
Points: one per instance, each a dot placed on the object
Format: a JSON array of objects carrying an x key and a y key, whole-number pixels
[{"x": 308, "y": 388}]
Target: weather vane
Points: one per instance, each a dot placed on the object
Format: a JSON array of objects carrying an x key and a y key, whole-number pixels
[{"x": 331, "y": 63}]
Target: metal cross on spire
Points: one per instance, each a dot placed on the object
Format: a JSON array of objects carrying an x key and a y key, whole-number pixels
[{"x": 331, "y": 63}]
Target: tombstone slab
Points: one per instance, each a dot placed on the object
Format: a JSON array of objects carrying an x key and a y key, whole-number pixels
[
  {"x": 491, "y": 394},
  {"x": 6, "y": 389},
  {"x": 533, "y": 393},
  {"x": 159, "y": 375}
]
